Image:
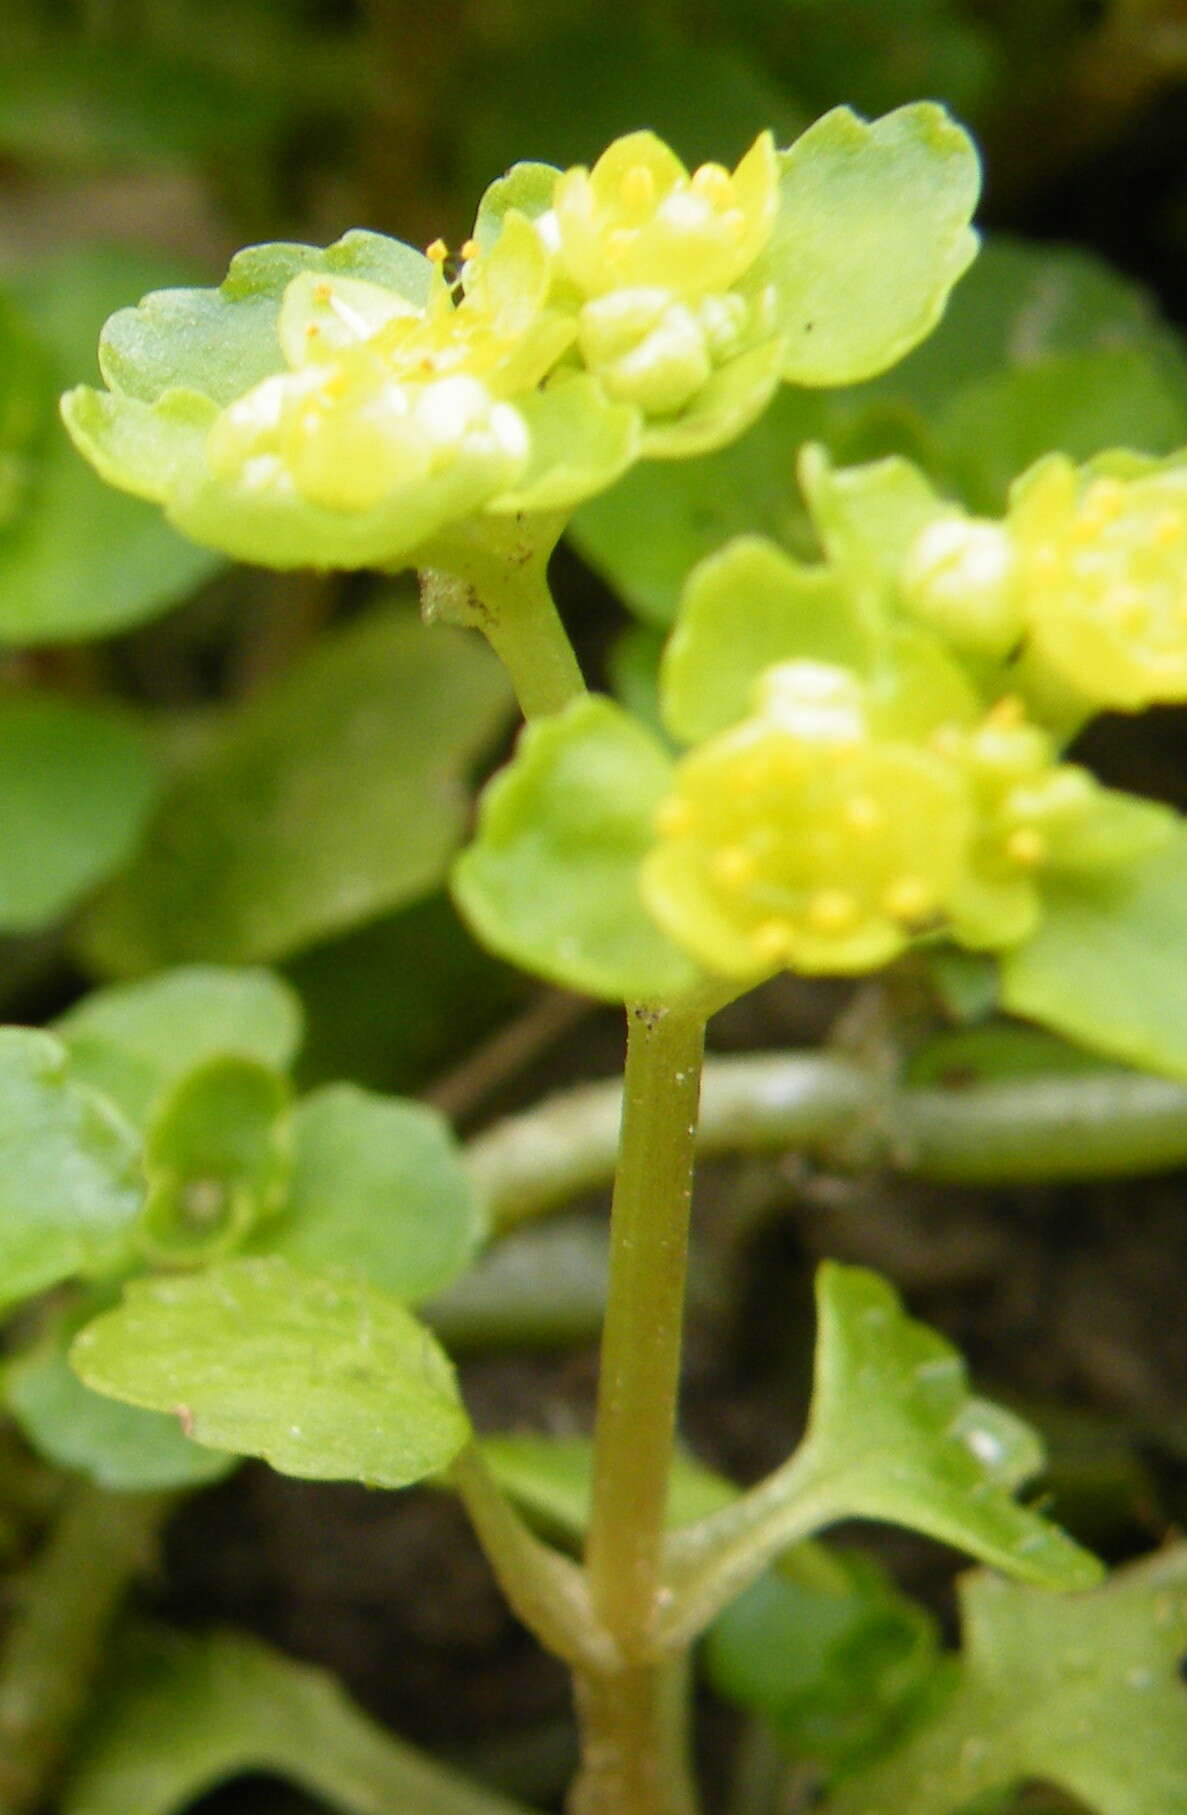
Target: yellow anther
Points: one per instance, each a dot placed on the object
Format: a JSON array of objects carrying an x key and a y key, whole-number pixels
[
  {"x": 734, "y": 866},
  {"x": 1168, "y": 529},
  {"x": 909, "y": 898},
  {"x": 1007, "y": 713},
  {"x": 469, "y": 249},
  {"x": 675, "y": 816},
  {"x": 437, "y": 253},
  {"x": 772, "y": 940},
  {"x": 831, "y": 911},
  {"x": 712, "y": 183},
  {"x": 322, "y": 292},
  {"x": 312, "y": 330},
  {"x": 637, "y": 189},
  {"x": 862, "y": 813},
  {"x": 1026, "y": 846}
]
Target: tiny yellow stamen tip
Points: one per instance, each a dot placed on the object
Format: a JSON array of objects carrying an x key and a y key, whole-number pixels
[
  {"x": 469, "y": 248},
  {"x": 675, "y": 816},
  {"x": 437, "y": 253},
  {"x": 1026, "y": 847},
  {"x": 734, "y": 866},
  {"x": 322, "y": 292},
  {"x": 637, "y": 188},
  {"x": 1007, "y": 713},
  {"x": 909, "y": 898},
  {"x": 772, "y": 940},
  {"x": 862, "y": 813},
  {"x": 312, "y": 331},
  {"x": 831, "y": 911},
  {"x": 712, "y": 182}
]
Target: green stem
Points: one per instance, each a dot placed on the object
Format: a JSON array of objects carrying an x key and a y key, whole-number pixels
[
  {"x": 1099, "y": 1124},
  {"x": 497, "y": 582},
  {"x": 632, "y": 1726},
  {"x": 54, "y": 1641}
]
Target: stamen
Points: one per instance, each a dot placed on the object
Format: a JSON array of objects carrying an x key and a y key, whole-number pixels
[
  {"x": 831, "y": 911},
  {"x": 1026, "y": 847},
  {"x": 437, "y": 253},
  {"x": 909, "y": 898},
  {"x": 1006, "y": 713},
  {"x": 469, "y": 249},
  {"x": 734, "y": 866},
  {"x": 862, "y": 813},
  {"x": 772, "y": 940}
]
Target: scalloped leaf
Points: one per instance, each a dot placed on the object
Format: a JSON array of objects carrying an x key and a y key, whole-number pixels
[
  {"x": 134, "y": 1041},
  {"x": 326, "y": 1378},
  {"x": 77, "y": 784},
  {"x": 219, "y": 342},
  {"x": 1106, "y": 967},
  {"x": 120, "y": 1447},
  {"x": 527, "y": 188},
  {"x": 552, "y": 879},
  {"x": 379, "y": 1190},
  {"x": 70, "y": 1186},
  {"x": 1084, "y": 1693},
  {"x": 872, "y": 233},
  {"x": 744, "y": 609},
  {"x": 867, "y": 516},
  {"x": 335, "y": 795},
  {"x": 177, "y": 1716}
]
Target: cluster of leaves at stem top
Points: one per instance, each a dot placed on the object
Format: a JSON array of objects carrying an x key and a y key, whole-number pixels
[
  {"x": 876, "y": 755},
  {"x": 370, "y": 405}
]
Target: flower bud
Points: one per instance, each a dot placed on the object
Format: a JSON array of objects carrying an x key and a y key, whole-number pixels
[{"x": 959, "y": 578}]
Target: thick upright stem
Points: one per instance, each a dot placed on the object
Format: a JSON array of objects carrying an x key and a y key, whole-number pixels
[
  {"x": 54, "y": 1641},
  {"x": 632, "y": 1728}
]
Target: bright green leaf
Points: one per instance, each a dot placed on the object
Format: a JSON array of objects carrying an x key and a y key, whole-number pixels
[
  {"x": 1083, "y": 1692},
  {"x": 867, "y": 516},
  {"x": 135, "y": 1040},
  {"x": 69, "y": 1180},
  {"x": 120, "y": 1447},
  {"x": 551, "y": 881},
  {"x": 177, "y": 1716},
  {"x": 1106, "y": 968},
  {"x": 325, "y": 1378},
  {"x": 82, "y": 560},
  {"x": 872, "y": 233},
  {"x": 744, "y": 609},
  {"x": 338, "y": 794},
  {"x": 76, "y": 786},
  {"x": 216, "y": 1158},
  {"x": 378, "y": 1189}
]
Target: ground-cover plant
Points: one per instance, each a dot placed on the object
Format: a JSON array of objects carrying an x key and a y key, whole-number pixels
[{"x": 844, "y": 763}]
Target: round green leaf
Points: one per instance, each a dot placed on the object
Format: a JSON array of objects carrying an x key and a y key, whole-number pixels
[
  {"x": 326, "y": 1379},
  {"x": 378, "y": 1189},
  {"x": 871, "y": 235},
  {"x": 76, "y": 786},
  {"x": 552, "y": 879},
  {"x": 70, "y": 1187},
  {"x": 135, "y": 1040}
]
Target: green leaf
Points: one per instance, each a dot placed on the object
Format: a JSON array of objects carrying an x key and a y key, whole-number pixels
[
  {"x": 1080, "y": 403},
  {"x": 378, "y": 1189},
  {"x": 76, "y": 786},
  {"x": 136, "y": 1040},
  {"x": 837, "y": 1669},
  {"x": 220, "y": 342},
  {"x": 216, "y": 1158},
  {"x": 551, "y": 881},
  {"x": 325, "y": 1378},
  {"x": 894, "y": 1434},
  {"x": 81, "y": 560},
  {"x": 123, "y": 1449},
  {"x": 645, "y": 534},
  {"x": 867, "y": 516},
  {"x": 336, "y": 795},
  {"x": 70, "y": 1187},
  {"x": 177, "y": 1716},
  {"x": 526, "y": 187},
  {"x": 744, "y": 609},
  {"x": 871, "y": 235},
  {"x": 1106, "y": 967},
  {"x": 1085, "y": 1693},
  {"x": 24, "y": 405}
]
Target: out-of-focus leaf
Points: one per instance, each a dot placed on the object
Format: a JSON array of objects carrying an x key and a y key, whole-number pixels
[
  {"x": 324, "y": 1377},
  {"x": 135, "y": 1040},
  {"x": 76, "y": 786},
  {"x": 319, "y": 805},
  {"x": 1084, "y": 1692},
  {"x": 70, "y": 1187},
  {"x": 82, "y": 560},
  {"x": 178, "y": 1716}
]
